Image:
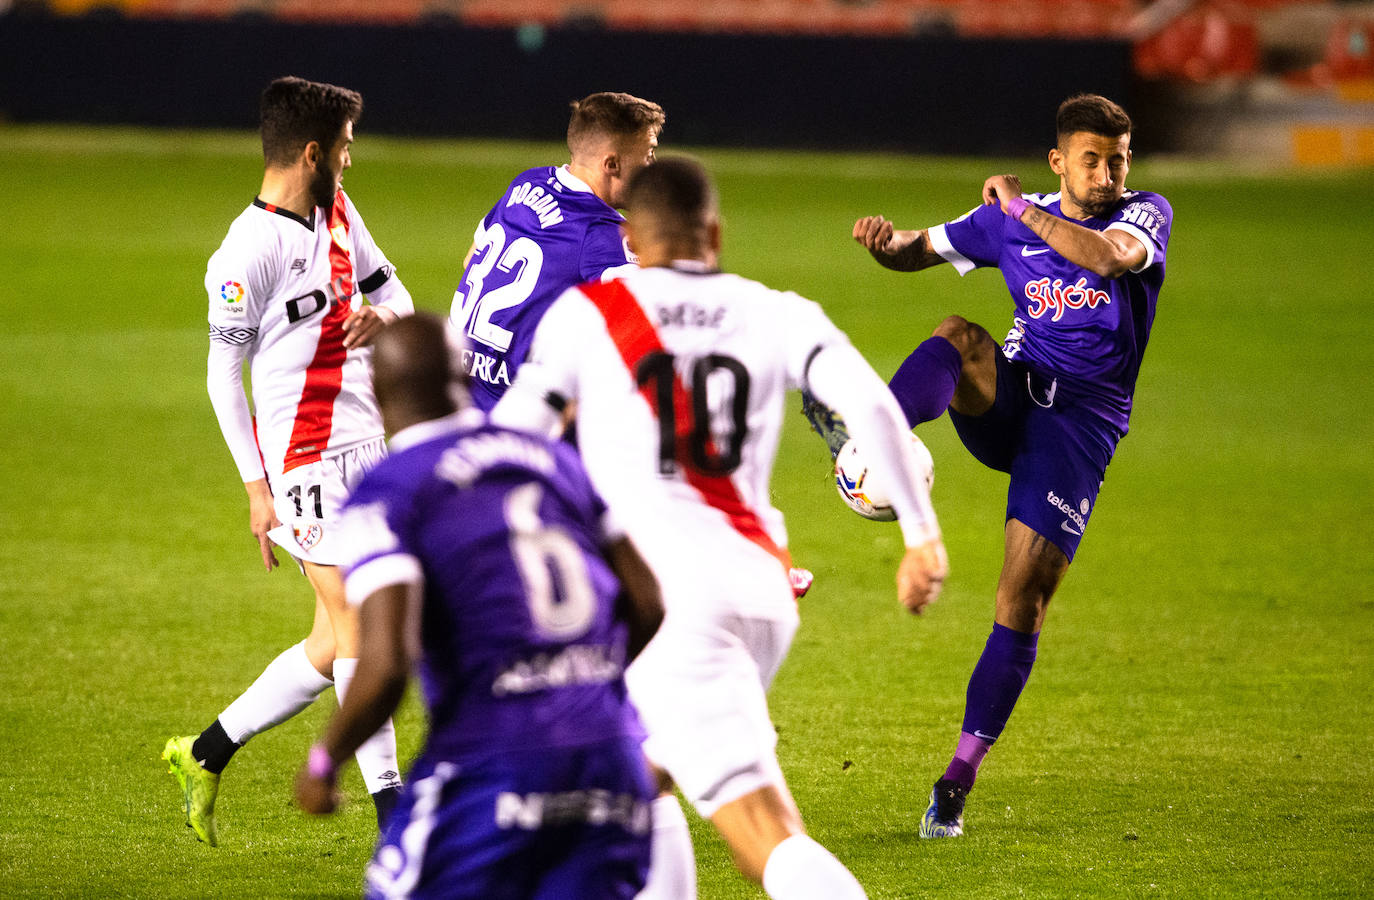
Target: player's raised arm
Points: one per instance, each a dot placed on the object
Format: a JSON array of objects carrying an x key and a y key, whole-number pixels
[
  {"x": 1111, "y": 253},
  {"x": 901, "y": 251},
  {"x": 842, "y": 379}
]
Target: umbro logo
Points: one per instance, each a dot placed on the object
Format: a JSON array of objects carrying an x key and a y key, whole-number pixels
[
  {"x": 298, "y": 266},
  {"x": 1027, "y": 251}
]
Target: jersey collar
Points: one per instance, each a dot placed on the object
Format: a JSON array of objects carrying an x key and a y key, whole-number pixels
[
  {"x": 272, "y": 208},
  {"x": 420, "y": 432},
  {"x": 571, "y": 181},
  {"x": 691, "y": 267}
]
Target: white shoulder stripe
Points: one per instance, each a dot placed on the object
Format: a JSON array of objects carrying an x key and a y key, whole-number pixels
[
  {"x": 1141, "y": 236},
  {"x": 939, "y": 242}
]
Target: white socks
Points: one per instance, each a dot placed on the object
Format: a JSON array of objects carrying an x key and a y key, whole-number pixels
[
  {"x": 801, "y": 869},
  {"x": 672, "y": 866},
  {"x": 377, "y": 756},
  {"x": 288, "y": 685}
]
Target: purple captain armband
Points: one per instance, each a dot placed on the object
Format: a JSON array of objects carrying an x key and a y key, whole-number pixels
[
  {"x": 1016, "y": 206},
  {"x": 320, "y": 764}
]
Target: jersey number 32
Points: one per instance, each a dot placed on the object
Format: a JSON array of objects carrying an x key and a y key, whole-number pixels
[{"x": 521, "y": 256}]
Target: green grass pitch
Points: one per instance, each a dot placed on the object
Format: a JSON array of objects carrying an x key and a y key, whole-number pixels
[{"x": 1198, "y": 724}]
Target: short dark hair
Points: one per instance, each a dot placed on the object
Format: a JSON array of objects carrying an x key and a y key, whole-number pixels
[
  {"x": 296, "y": 112},
  {"x": 1091, "y": 113},
  {"x": 677, "y": 190},
  {"x": 612, "y": 114}
]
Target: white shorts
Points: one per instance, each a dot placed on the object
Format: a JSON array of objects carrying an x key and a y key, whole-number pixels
[
  {"x": 700, "y": 690},
  {"x": 308, "y": 500}
]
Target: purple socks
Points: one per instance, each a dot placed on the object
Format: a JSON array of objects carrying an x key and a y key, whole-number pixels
[
  {"x": 925, "y": 381},
  {"x": 993, "y": 690}
]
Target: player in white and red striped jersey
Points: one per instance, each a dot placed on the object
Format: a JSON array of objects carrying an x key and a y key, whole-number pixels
[
  {"x": 282, "y": 288},
  {"x": 678, "y": 372},
  {"x": 286, "y": 293}
]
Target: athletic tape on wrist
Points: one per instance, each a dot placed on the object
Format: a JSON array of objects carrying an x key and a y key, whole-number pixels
[
  {"x": 320, "y": 764},
  {"x": 1016, "y": 206}
]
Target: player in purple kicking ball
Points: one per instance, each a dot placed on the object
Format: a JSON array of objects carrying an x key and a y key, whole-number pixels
[{"x": 1084, "y": 266}]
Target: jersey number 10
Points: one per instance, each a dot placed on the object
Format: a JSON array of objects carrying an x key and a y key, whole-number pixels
[{"x": 704, "y": 452}]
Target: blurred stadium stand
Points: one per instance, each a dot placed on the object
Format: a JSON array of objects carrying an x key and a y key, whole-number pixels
[{"x": 1294, "y": 78}]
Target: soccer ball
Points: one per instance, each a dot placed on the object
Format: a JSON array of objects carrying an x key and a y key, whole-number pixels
[{"x": 866, "y": 494}]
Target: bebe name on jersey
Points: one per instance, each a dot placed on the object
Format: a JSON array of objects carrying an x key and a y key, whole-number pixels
[
  {"x": 539, "y": 200},
  {"x": 1047, "y": 296},
  {"x": 1144, "y": 215},
  {"x": 690, "y": 315}
]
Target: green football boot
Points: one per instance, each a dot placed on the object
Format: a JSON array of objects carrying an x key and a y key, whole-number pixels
[{"x": 198, "y": 788}]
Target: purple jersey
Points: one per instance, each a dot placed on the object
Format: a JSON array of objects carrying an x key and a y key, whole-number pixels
[
  {"x": 520, "y": 643},
  {"x": 548, "y": 233},
  {"x": 1086, "y": 332}
]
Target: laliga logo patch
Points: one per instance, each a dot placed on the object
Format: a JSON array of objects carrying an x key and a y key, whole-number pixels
[
  {"x": 309, "y": 536},
  {"x": 231, "y": 292}
]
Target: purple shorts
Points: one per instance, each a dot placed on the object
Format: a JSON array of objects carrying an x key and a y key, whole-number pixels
[
  {"x": 1056, "y": 447},
  {"x": 535, "y": 824}
]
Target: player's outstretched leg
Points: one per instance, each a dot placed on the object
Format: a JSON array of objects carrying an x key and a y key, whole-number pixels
[
  {"x": 288, "y": 685},
  {"x": 199, "y": 787},
  {"x": 826, "y": 422},
  {"x": 924, "y": 383},
  {"x": 993, "y": 689}
]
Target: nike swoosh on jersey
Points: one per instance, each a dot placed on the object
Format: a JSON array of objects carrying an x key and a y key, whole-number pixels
[
  {"x": 1027, "y": 251},
  {"x": 1070, "y": 529}
]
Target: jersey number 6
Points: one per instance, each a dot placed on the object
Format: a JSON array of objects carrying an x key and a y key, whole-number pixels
[{"x": 558, "y": 589}]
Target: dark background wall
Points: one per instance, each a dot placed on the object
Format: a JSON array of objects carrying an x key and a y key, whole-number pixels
[{"x": 917, "y": 94}]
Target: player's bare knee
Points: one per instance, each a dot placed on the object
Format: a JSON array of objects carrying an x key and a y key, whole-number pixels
[
  {"x": 969, "y": 338},
  {"x": 320, "y": 650}
]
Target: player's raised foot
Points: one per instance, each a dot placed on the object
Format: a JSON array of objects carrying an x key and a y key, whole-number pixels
[
  {"x": 826, "y": 422},
  {"x": 198, "y": 788},
  {"x": 945, "y": 815}
]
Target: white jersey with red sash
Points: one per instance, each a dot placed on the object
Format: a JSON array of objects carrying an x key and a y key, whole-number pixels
[
  {"x": 679, "y": 376},
  {"x": 280, "y": 289}
]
